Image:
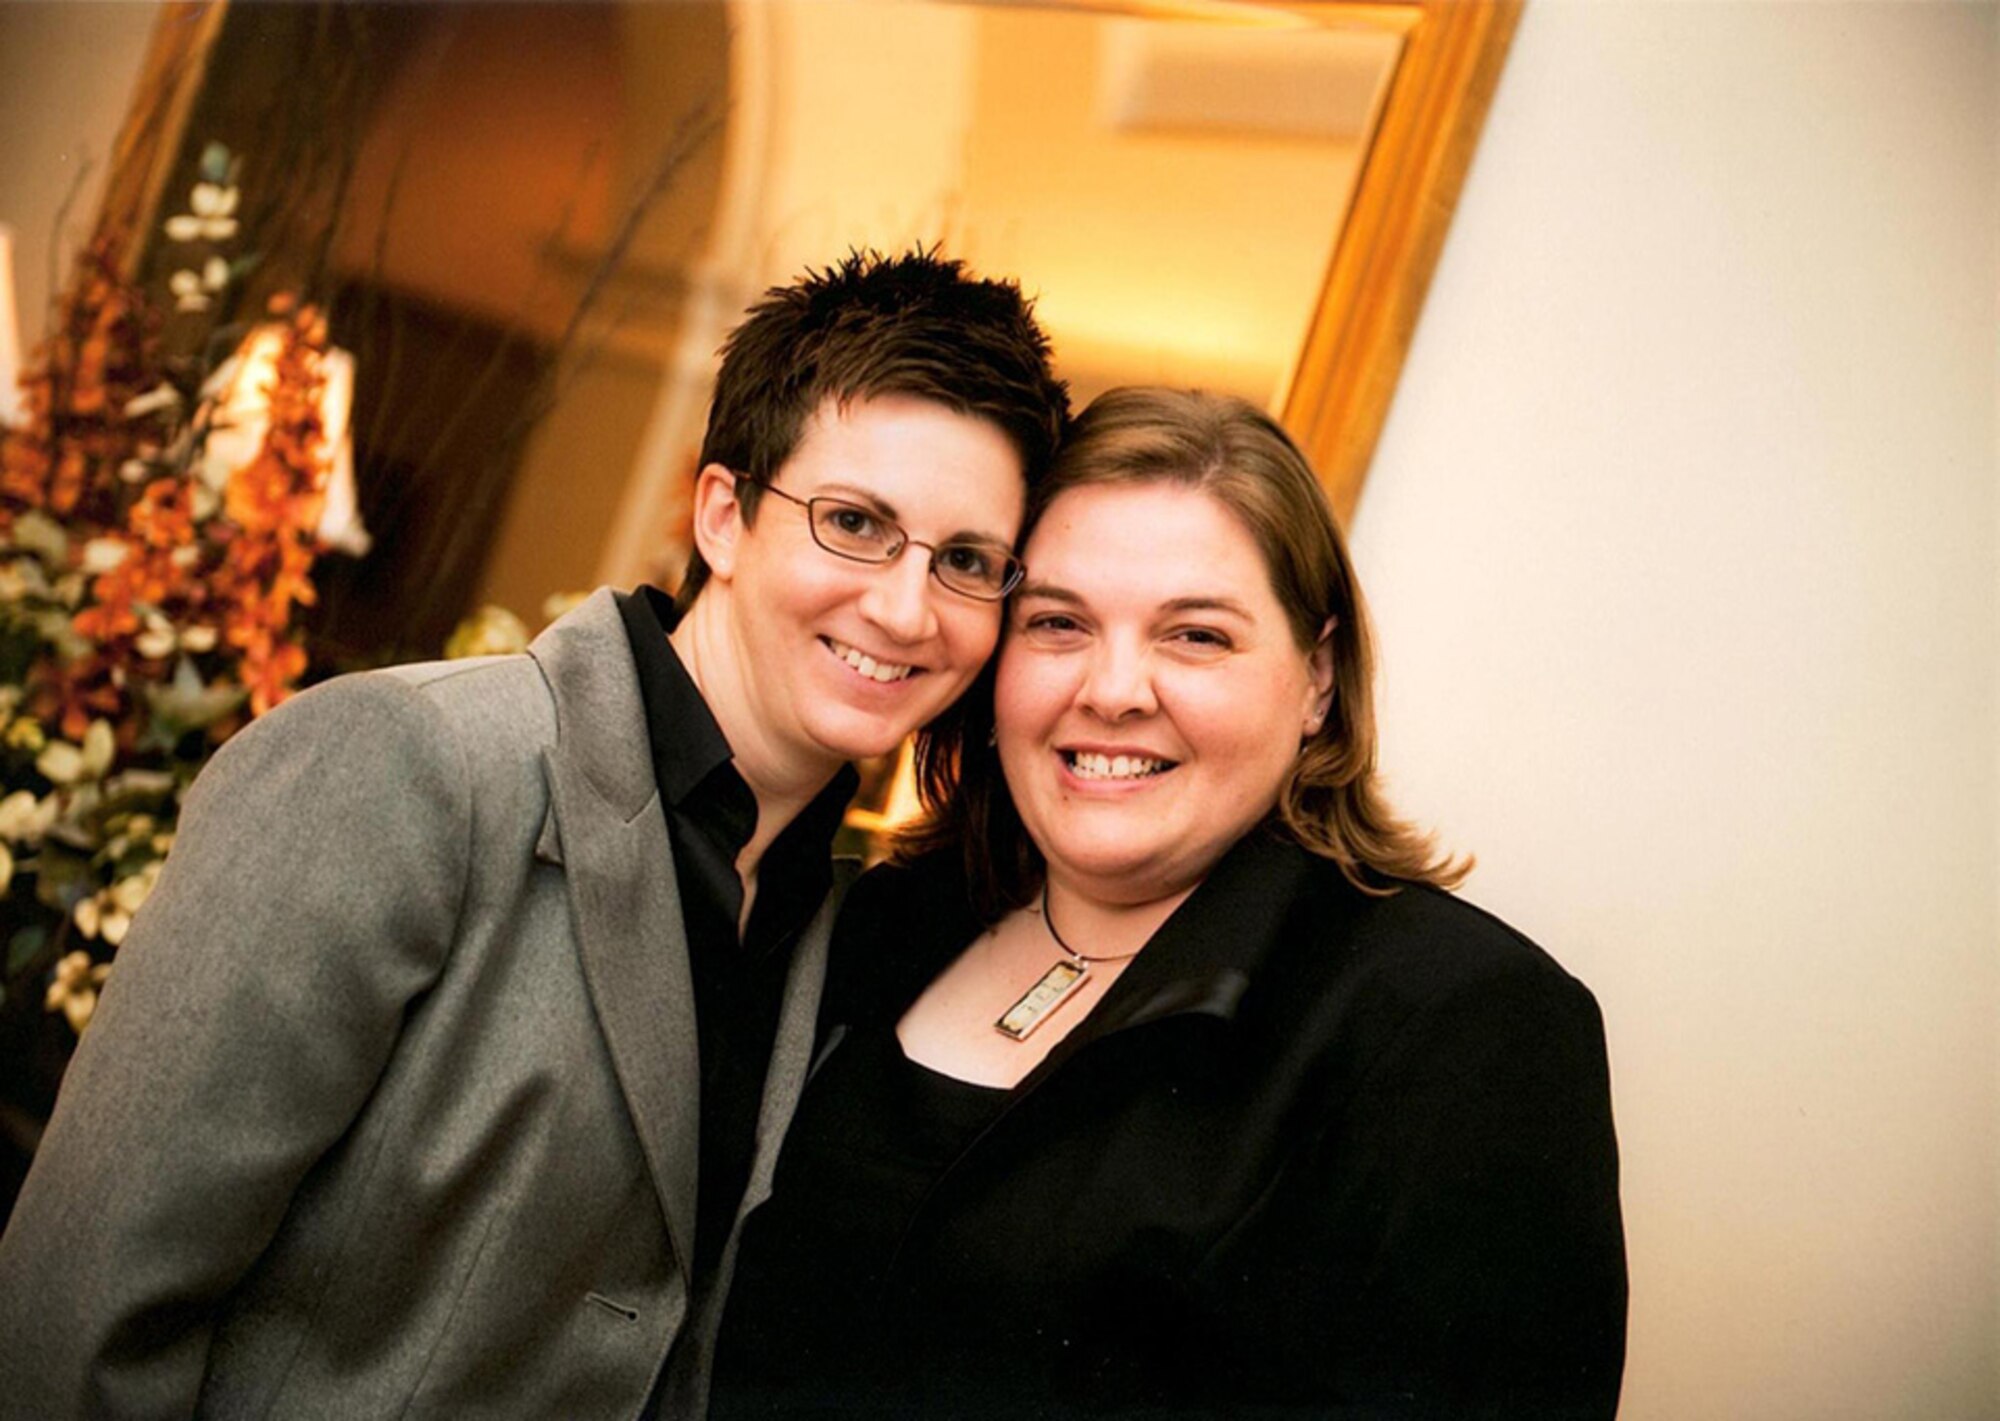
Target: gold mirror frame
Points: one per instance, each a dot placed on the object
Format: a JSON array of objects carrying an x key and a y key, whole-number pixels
[
  {"x": 1403, "y": 202},
  {"x": 1381, "y": 268}
]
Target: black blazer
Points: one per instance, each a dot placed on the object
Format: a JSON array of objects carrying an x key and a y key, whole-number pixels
[{"x": 1315, "y": 1151}]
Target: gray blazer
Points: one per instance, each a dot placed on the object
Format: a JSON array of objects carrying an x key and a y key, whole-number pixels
[{"x": 390, "y": 1107}]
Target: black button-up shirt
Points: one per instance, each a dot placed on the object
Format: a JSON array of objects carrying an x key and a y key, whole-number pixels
[{"x": 738, "y": 982}]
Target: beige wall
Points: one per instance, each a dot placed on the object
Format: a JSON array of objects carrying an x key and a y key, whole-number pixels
[
  {"x": 66, "y": 74},
  {"x": 1682, "y": 545}
]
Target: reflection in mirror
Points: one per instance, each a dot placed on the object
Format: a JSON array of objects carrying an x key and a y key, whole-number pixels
[
  {"x": 535, "y": 223},
  {"x": 1170, "y": 191}
]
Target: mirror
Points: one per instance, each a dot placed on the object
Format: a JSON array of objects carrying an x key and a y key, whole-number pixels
[{"x": 546, "y": 217}]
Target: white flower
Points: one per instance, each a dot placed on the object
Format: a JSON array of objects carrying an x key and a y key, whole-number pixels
[
  {"x": 158, "y": 639},
  {"x": 213, "y": 200},
  {"x": 114, "y": 926},
  {"x": 198, "y": 639},
  {"x": 101, "y": 555},
  {"x": 88, "y": 916},
  {"x": 488, "y": 631},
  {"x": 60, "y": 762},
  {"x": 128, "y": 893},
  {"x": 100, "y": 747},
  {"x": 24, "y": 819},
  {"x": 192, "y": 289},
  {"x": 74, "y": 989},
  {"x": 15, "y": 811},
  {"x": 212, "y": 218},
  {"x": 6, "y": 867},
  {"x": 188, "y": 294},
  {"x": 161, "y": 397},
  {"x": 21, "y": 578},
  {"x": 37, "y": 533}
]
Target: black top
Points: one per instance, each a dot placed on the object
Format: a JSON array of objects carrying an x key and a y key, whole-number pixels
[
  {"x": 878, "y": 1132},
  {"x": 1315, "y": 1152},
  {"x": 738, "y": 985}
]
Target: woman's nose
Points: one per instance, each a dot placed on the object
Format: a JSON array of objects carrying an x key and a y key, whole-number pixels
[
  {"x": 1118, "y": 683},
  {"x": 898, "y": 597}
]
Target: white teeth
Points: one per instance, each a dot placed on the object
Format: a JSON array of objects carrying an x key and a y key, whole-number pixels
[
  {"x": 1091, "y": 766},
  {"x": 883, "y": 671}
]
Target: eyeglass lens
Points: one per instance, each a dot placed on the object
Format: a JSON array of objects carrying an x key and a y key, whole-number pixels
[{"x": 974, "y": 569}]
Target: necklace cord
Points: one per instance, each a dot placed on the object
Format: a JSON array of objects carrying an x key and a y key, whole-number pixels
[{"x": 1049, "y": 921}]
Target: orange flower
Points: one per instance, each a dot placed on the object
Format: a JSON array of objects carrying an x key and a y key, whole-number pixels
[
  {"x": 72, "y": 695},
  {"x": 163, "y": 517},
  {"x": 270, "y": 671},
  {"x": 67, "y": 486}
]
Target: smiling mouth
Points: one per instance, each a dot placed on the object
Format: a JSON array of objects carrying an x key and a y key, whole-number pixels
[
  {"x": 1089, "y": 765},
  {"x": 884, "y": 672}
]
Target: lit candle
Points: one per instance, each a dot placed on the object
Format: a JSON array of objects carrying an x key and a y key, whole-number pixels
[{"x": 13, "y": 405}]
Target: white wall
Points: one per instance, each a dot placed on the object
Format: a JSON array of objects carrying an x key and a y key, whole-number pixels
[
  {"x": 66, "y": 76},
  {"x": 1682, "y": 545}
]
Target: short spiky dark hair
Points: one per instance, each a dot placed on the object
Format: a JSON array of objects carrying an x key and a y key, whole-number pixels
[{"x": 914, "y": 324}]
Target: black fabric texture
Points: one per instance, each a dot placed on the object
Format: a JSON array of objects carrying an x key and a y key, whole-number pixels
[
  {"x": 738, "y": 983},
  {"x": 1315, "y": 1153}
]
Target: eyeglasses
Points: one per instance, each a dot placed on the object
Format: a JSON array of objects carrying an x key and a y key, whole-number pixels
[{"x": 984, "y": 571}]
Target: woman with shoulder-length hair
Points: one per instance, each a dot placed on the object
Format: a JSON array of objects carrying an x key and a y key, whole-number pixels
[{"x": 1162, "y": 1073}]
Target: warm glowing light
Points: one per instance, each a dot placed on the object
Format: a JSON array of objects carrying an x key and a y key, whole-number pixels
[
  {"x": 242, "y": 386},
  {"x": 13, "y": 404},
  {"x": 902, "y": 806},
  {"x": 340, "y": 526}
]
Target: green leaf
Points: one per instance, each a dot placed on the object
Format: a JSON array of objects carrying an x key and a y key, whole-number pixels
[
  {"x": 25, "y": 947},
  {"x": 64, "y": 879},
  {"x": 188, "y": 703},
  {"x": 215, "y": 163},
  {"x": 37, "y": 533}
]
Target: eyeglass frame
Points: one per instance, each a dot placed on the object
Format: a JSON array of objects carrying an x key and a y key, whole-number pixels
[{"x": 1017, "y": 570}]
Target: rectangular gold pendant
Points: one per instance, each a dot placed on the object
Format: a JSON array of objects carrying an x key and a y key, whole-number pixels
[{"x": 1042, "y": 998}]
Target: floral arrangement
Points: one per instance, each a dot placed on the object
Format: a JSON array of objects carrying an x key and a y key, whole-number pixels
[{"x": 158, "y": 521}]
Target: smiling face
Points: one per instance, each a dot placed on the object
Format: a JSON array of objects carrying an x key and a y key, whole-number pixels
[
  {"x": 1151, "y": 695},
  {"x": 808, "y": 659}
]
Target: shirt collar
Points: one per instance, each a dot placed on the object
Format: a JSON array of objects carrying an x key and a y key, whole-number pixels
[
  {"x": 691, "y": 756},
  {"x": 687, "y": 744}
]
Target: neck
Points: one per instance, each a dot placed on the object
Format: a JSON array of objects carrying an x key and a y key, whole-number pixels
[
  {"x": 781, "y": 782},
  {"x": 1097, "y": 926}
]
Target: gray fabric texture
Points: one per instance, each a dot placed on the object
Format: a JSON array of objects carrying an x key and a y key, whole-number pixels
[{"x": 390, "y": 1107}]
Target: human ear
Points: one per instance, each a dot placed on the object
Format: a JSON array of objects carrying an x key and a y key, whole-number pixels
[
  {"x": 718, "y": 519},
  {"x": 1319, "y": 673}
]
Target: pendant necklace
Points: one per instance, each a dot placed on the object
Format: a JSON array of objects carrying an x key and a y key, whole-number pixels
[{"x": 1055, "y": 985}]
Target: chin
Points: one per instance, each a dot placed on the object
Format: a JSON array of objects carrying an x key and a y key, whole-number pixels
[
  {"x": 1112, "y": 865},
  {"x": 862, "y": 739}
]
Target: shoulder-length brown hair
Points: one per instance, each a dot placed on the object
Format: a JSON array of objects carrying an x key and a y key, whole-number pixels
[{"x": 1331, "y": 801}]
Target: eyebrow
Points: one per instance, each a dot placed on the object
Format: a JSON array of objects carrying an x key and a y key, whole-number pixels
[
  {"x": 1050, "y": 592},
  {"x": 868, "y": 498},
  {"x": 1207, "y": 604}
]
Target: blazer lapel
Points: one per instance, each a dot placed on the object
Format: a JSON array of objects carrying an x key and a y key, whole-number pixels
[
  {"x": 1205, "y": 956},
  {"x": 793, "y": 1053},
  {"x": 610, "y": 836}
]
